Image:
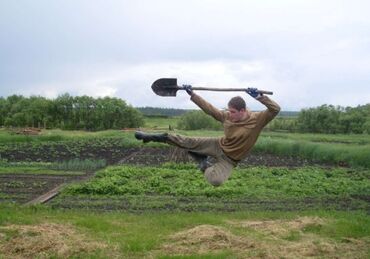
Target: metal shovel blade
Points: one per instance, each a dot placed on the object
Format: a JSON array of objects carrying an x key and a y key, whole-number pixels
[{"x": 165, "y": 87}]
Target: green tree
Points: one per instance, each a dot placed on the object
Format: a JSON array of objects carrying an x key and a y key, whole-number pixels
[{"x": 196, "y": 120}]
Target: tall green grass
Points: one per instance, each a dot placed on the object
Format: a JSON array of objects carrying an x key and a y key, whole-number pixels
[
  {"x": 344, "y": 154},
  {"x": 79, "y": 165},
  {"x": 75, "y": 167},
  {"x": 55, "y": 135}
]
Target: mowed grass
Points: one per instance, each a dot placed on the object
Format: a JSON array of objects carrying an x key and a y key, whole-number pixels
[{"x": 42, "y": 232}]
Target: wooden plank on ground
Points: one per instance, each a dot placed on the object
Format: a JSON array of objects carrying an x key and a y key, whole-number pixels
[{"x": 46, "y": 196}]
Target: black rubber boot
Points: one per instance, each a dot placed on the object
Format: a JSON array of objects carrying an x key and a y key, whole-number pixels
[
  {"x": 197, "y": 157},
  {"x": 147, "y": 137},
  {"x": 204, "y": 164},
  {"x": 201, "y": 159}
]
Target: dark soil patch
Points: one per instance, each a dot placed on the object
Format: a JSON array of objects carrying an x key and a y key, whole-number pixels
[
  {"x": 115, "y": 151},
  {"x": 157, "y": 156},
  {"x": 112, "y": 150},
  {"x": 22, "y": 188}
]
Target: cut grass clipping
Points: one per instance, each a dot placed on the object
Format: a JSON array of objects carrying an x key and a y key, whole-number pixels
[
  {"x": 24, "y": 233},
  {"x": 44, "y": 241},
  {"x": 264, "y": 239}
]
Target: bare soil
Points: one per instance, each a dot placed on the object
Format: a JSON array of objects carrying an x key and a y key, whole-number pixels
[
  {"x": 115, "y": 153},
  {"x": 157, "y": 156},
  {"x": 22, "y": 188}
]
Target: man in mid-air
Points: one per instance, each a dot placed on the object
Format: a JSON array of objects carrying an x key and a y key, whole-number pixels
[{"x": 241, "y": 130}]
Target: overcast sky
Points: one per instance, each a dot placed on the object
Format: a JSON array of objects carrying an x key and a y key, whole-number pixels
[{"x": 307, "y": 52}]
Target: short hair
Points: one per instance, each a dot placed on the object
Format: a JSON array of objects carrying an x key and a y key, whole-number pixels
[{"x": 237, "y": 103}]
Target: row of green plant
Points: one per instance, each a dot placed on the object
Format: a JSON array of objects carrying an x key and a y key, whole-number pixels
[
  {"x": 259, "y": 182},
  {"x": 71, "y": 167},
  {"x": 354, "y": 139},
  {"x": 8, "y": 135},
  {"x": 348, "y": 150},
  {"x": 89, "y": 148},
  {"x": 68, "y": 112},
  {"x": 80, "y": 165}
]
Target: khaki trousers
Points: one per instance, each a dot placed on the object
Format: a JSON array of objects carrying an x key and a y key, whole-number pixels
[{"x": 218, "y": 172}]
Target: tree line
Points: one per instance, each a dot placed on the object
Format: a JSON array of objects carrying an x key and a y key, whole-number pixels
[
  {"x": 88, "y": 113},
  {"x": 68, "y": 112},
  {"x": 323, "y": 119},
  {"x": 328, "y": 119}
]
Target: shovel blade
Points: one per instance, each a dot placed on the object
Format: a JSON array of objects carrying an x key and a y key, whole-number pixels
[{"x": 165, "y": 87}]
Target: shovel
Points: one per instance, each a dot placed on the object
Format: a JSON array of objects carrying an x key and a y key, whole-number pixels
[{"x": 169, "y": 87}]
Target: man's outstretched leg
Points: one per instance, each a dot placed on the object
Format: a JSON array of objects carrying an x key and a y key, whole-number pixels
[{"x": 198, "y": 148}]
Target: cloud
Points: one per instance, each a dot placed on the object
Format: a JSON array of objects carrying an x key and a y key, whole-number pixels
[{"x": 307, "y": 52}]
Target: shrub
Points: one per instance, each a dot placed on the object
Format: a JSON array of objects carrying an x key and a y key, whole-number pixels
[{"x": 196, "y": 120}]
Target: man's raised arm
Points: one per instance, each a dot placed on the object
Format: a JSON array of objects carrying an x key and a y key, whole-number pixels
[
  {"x": 272, "y": 107},
  {"x": 206, "y": 106}
]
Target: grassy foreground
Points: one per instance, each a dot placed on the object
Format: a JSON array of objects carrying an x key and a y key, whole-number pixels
[{"x": 43, "y": 232}]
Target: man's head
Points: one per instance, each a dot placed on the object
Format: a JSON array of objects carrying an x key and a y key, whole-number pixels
[{"x": 237, "y": 109}]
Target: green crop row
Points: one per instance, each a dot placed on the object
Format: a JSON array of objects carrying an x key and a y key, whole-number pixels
[
  {"x": 347, "y": 150},
  {"x": 70, "y": 167},
  {"x": 259, "y": 182}
]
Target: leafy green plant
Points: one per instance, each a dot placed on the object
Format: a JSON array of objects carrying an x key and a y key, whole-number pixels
[{"x": 261, "y": 182}]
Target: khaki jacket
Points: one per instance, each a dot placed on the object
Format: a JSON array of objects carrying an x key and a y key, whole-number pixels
[{"x": 239, "y": 137}]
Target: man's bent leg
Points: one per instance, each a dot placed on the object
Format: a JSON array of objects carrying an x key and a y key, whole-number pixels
[{"x": 219, "y": 172}]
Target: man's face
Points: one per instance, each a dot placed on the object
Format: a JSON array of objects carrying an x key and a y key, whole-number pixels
[{"x": 235, "y": 115}]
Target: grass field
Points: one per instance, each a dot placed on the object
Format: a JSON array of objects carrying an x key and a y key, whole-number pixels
[
  {"x": 40, "y": 231},
  {"x": 170, "y": 211}
]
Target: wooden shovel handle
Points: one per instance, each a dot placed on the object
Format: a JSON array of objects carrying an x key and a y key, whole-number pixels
[{"x": 229, "y": 90}]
